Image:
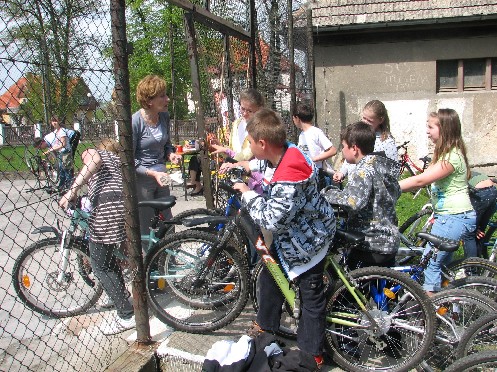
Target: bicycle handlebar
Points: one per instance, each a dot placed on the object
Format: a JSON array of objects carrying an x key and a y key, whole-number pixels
[{"x": 403, "y": 145}]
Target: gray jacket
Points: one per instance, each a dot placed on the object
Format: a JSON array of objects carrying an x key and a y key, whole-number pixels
[{"x": 369, "y": 198}]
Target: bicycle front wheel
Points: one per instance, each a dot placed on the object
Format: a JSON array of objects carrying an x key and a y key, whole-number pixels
[
  {"x": 473, "y": 266},
  {"x": 51, "y": 169},
  {"x": 391, "y": 329},
  {"x": 189, "y": 293},
  {"x": 43, "y": 287},
  {"x": 419, "y": 222}
]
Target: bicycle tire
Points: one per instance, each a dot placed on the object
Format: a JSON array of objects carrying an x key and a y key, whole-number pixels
[
  {"x": 489, "y": 240},
  {"x": 484, "y": 361},
  {"x": 482, "y": 284},
  {"x": 407, "y": 322},
  {"x": 473, "y": 266},
  {"x": 34, "y": 278},
  {"x": 181, "y": 301},
  {"x": 418, "y": 222},
  {"x": 479, "y": 336},
  {"x": 31, "y": 160},
  {"x": 288, "y": 323},
  {"x": 51, "y": 169},
  {"x": 456, "y": 309}
]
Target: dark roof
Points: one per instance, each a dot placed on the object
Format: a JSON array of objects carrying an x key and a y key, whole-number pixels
[{"x": 336, "y": 13}]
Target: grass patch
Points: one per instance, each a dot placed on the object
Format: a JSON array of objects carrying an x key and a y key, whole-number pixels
[{"x": 12, "y": 157}]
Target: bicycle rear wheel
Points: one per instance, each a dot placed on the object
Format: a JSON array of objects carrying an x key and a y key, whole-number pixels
[
  {"x": 473, "y": 266},
  {"x": 482, "y": 284},
  {"x": 419, "y": 222},
  {"x": 180, "y": 297},
  {"x": 51, "y": 169},
  {"x": 479, "y": 336},
  {"x": 456, "y": 309},
  {"x": 41, "y": 285},
  {"x": 392, "y": 333}
]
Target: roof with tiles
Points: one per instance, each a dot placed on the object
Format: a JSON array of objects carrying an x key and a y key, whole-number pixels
[{"x": 362, "y": 12}]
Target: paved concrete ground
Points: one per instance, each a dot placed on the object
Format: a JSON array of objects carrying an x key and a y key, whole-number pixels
[{"x": 33, "y": 342}]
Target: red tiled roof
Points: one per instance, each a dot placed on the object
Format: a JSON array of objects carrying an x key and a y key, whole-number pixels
[{"x": 13, "y": 96}]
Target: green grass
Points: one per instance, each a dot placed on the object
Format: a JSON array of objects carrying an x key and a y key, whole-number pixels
[
  {"x": 407, "y": 206},
  {"x": 12, "y": 157}
]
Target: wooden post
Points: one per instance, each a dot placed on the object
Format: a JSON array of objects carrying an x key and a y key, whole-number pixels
[
  {"x": 123, "y": 113},
  {"x": 191, "y": 41}
]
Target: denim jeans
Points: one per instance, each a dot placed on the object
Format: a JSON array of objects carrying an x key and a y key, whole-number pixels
[
  {"x": 66, "y": 175},
  {"x": 310, "y": 332},
  {"x": 459, "y": 226},
  {"x": 483, "y": 201},
  {"x": 110, "y": 275}
]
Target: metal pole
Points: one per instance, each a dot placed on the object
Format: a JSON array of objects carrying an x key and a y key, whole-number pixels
[
  {"x": 123, "y": 112},
  {"x": 191, "y": 41},
  {"x": 310, "y": 59},
  {"x": 253, "y": 40},
  {"x": 291, "y": 55}
]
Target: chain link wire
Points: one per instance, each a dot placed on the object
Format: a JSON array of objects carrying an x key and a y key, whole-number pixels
[{"x": 56, "y": 61}]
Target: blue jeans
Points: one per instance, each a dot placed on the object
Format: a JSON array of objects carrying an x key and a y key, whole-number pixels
[
  {"x": 483, "y": 201},
  {"x": 459, "y": 226}
]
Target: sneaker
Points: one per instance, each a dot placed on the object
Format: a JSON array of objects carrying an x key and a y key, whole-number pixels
[
  {"x": 319, "y": 362},
  {"x": 255, "y": 330},
  {"x": 118, "y": 325}
]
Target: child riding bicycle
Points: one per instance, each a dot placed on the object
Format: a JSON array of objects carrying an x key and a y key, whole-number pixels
[{"x": 302, "y": 225}]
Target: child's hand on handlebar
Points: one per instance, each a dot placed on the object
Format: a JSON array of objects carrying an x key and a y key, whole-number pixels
[
  {"x": 242, "y": 187},
  {"x": 225, "y": 167},
  {"x": 338, "y": 177},
  {"x": 67, "y": 198}
]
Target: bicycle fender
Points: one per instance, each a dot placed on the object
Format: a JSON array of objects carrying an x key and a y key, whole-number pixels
[{"x": 45, "y": 230}]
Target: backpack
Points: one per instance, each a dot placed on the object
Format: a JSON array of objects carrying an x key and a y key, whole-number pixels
[{"x": 74, "y": 136}]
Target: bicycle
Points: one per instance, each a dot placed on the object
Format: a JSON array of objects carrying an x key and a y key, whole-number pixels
[
  {"x": 204, "y": 285},
  {"x": 484, "y": 361},
  {"x": 45, "y": 167},
  {"x": 479, "y": 336},
  {"x": 53, "y": 276},
  {"x": 408, "y": 168}
]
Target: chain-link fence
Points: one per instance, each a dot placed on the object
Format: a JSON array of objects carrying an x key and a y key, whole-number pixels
[{"x": 58, "y": 62}]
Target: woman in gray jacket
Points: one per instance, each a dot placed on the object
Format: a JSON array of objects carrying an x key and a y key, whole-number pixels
[{"x": 152, "y": 145}]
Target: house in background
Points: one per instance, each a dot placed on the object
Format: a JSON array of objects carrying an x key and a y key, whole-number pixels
[
  {"x": 416, "y": 56},
  {"x": 18, "y": 93}
]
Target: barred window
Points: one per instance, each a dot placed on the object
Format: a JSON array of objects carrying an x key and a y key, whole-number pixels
[{"x": 474, "y": 74}]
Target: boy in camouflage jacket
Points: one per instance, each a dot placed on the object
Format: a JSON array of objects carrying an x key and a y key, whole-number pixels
[{"x": 369, "y": 198}]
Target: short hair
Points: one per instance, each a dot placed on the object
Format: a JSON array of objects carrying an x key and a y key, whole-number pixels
[
  {"x": 148, "y": 88},
  {"x": 361, "y": 135},
  {"x": 253, "y": 96},
  {"x": 304, "y": 111},
  {"x": 267, "y": 125}
]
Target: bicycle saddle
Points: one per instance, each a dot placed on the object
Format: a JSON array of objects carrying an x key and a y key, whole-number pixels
[
  {"x": 444, "y": 244},
  {"x": 160, "y": 203},
  {"x": 350, "y": 236}
]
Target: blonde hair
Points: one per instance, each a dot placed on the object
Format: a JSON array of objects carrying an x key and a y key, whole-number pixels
[
  {"x": 148, "y": 88},
  {"x": 110, "y": 145},
  {"x": 450, "y": 136},
  {"x": 381, "y": 113}
]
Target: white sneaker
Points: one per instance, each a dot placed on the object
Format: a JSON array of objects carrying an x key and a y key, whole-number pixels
[{"x": 118, "y": 325}]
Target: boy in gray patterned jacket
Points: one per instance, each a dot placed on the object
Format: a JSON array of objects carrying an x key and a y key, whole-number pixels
[
  {"x": 369, "y": 198},
  {"x": 301, "y": 222}
]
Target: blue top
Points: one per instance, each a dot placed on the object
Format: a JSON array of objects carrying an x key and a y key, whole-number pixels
[{"x": 148, "y": 151}]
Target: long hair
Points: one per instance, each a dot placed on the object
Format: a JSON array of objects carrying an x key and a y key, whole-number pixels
[
  {"x": 450, "y": 136},
  {"x": 381, "y": 112}
]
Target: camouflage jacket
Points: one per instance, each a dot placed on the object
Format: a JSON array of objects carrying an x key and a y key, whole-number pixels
[{"x": 369, "y": 198}]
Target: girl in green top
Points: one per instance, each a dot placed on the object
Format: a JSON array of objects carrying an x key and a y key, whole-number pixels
[{"x": 448, "y": 174}]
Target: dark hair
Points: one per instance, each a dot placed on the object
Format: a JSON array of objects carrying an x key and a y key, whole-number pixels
[
  {"x": 361, "y": 135},
  {"x": 267, "y": 125},
  {"x": 381, "y": 112},
  {"x": 37, "y": 141},
  {"x": 304, "y": 112}
]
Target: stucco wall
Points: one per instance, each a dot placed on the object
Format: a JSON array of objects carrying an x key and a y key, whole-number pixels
[{"x": 403, "y": 76}]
